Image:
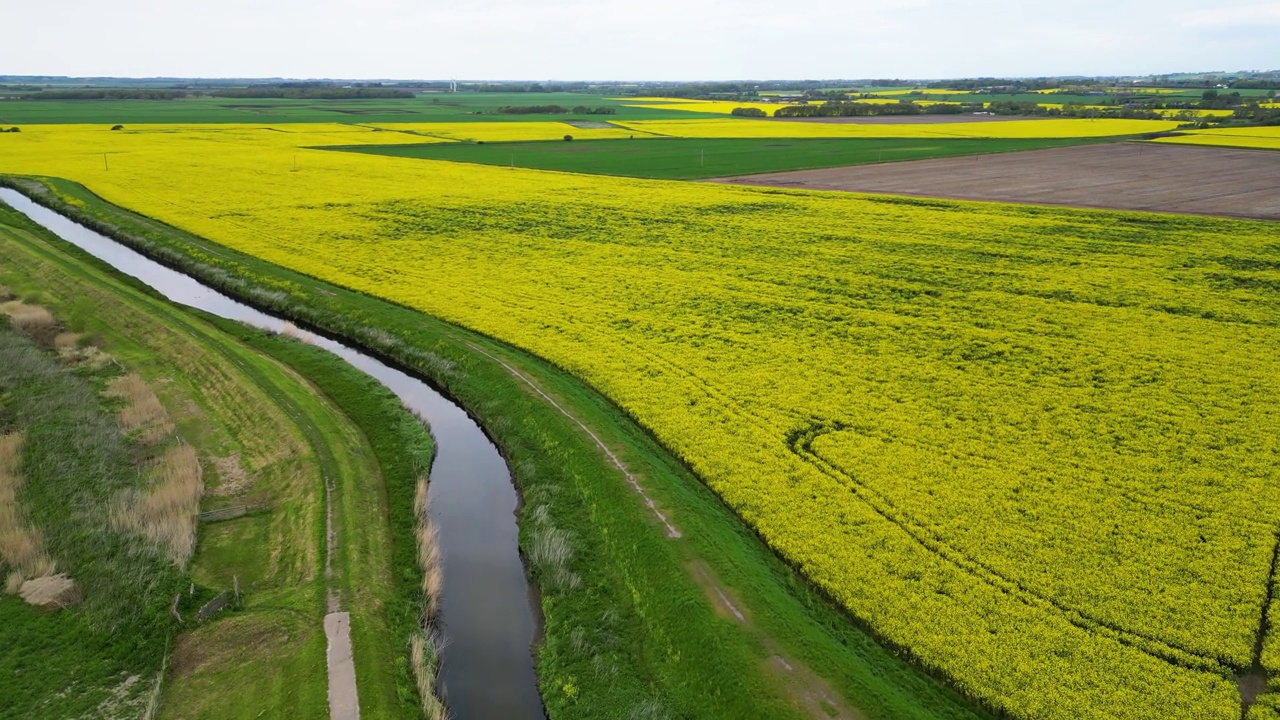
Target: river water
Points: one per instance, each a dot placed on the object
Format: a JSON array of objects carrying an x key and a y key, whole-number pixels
[{"x": 486, "y": 610}]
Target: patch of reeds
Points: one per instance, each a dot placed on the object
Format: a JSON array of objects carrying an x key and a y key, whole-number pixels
[
  {"x": 424, "y": 653},
  {"x": 21, "y": 550},
  {"x": 426, "y": 644},
  {"x": 428, "y": 556},
  {"x": 167, "y": 512},
  {"x": 143, "y": 416},
  {"x": 33, "y": 321}
]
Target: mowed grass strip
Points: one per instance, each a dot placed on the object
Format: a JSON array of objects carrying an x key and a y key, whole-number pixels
[{"x": 695, "y": 158}]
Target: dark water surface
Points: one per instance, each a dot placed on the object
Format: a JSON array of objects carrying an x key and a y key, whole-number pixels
[{"x": 488, "y": 617}]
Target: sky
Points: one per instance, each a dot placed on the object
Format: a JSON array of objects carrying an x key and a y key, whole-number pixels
[{"x": 635, "y": 39}]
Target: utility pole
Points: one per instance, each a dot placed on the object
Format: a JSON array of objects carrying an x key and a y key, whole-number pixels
[{"x": 104, "y": 162}]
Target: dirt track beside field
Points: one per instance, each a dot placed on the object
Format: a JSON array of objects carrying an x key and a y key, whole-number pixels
[{"x": 1118, "y": 176}]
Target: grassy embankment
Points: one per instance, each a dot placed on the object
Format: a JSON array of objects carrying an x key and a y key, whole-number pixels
[
  {"x": 65, "y": 468},
  {"x": 640, "y": 633},
  {"x": 264, "y": 435},
  {"x": 696, "y": 158}
]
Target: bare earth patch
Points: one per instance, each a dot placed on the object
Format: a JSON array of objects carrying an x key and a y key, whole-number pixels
[{"x": 1117, "y": 176}]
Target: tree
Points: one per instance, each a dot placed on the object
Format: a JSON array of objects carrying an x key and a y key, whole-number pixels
[
  {"x": 568, "y": 138},
  {"x": 748, "y": 112}
]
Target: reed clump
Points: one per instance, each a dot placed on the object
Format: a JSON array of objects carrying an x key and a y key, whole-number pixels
[
  {"x": 426, "y": 644},
  {"x": 168, "y": 511},
  {"x": 143, "y": 416},
  {"x": 21, "y": 550},
  {"x": 33, "y": 321}
]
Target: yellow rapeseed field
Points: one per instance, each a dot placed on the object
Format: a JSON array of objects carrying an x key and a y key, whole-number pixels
[
  {"x": 719, "y": 107},
  {"x": 1265, "y": 138},
  {"x": 749, "y": 128},
  {"x": 1034, "y": 448}
]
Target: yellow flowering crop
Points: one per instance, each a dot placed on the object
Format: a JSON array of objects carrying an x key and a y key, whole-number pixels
[
  {"x": 1197, "y": 112},
  {"x": 748, "y": 128},
  {"x": 1033, "y": 447},
  {"x": 1265, "y": 138},
  {"x": 720, "y": 107}
]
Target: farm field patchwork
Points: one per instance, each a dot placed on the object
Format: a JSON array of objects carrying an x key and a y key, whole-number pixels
[
  {"x": 747, "y": 128},
  {"x": 691, "y": 158},
  {"x": 427, "y": 107},
  {"x": 1003, "y": 437}
]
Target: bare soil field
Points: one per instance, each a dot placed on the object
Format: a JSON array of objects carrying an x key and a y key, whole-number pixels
[
  {"x": 1119, "y": 176},
  {"x": 910, "y": 119}
]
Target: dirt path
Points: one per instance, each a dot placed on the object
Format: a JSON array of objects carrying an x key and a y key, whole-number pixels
[
  {"x": 806, "y": 688},
  {"x": 1117, "y": 176},
  {"x": 343, "y": 702}
]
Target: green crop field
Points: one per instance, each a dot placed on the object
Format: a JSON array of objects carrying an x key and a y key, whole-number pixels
[
  {"x": 693, "y": 158},
  {"x": 426, "y": 107}
]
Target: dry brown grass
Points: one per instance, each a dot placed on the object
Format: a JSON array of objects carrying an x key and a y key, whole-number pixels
[
  {"x": 424, "y": 652},
  {"x": 428, "y": 556},
  {"x": 21, "y": 549},
  {"x": 51, "y": 592},
  {"x": 73, "y": 350},
  {"x": 167, "y": 513},
  {"x": 232, "y": 478},
  {"x": 143, "y": 413},
  {"x": 66, "y": 340},
  {"x": 426, "y": 644},
  {"x": 33, "y": 321}
]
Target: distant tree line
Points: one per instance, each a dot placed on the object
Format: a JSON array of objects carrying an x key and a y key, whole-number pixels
[
  {"x": 554, "y": 110},
  {"x": 106, "y": 94},
  {"x": 533, "y": 110}
]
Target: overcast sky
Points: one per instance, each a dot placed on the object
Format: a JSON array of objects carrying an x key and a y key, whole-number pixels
[{"x": 635, "y": 39}]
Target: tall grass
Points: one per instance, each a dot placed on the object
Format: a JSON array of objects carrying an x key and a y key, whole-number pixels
[
  {"x": 75, "y": 464},
  {"x": 33, "y": 321},
  {"x": 428, "y": 556},
  {"x": 424, "y": 653},
  {"x": 168, "y": 511},
  {"x": 21, "y": 551},
  {"x": 426, "y": 644},
  {"x": 143, "y": 416}
]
